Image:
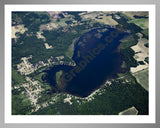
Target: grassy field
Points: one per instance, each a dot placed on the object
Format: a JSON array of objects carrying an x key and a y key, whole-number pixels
[
  {"x": 142, "y": 22},
  {"x": 142, "y": 78},
  {"x": 127, "y": 42},
  {"x": 129, "y": 111},
  {"x": 141, "y": 43},
  {"x": 70, "y": 51},
  {"x": 106, "y": 20},
  {"x": 129, "y": 14},
  {"x": 132, "y": 14}
]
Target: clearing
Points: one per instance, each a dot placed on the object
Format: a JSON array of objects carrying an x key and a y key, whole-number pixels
[
  {"x": 141, "y": 52},
  {"x": 106, "y": 20},
  {"x": 18, "y": 28},
  {"x": 142, "y": 78},
  {"x": 141, "y": 22},
  {"x": 48, "y": 46},
  {"x": 134, "y": 13},
  {"x": 129, "y": 111}
]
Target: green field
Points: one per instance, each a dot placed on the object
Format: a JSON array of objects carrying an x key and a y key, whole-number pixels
[
  {"x": 142, "y": 22},
  {"x": 142, "y": 78}
]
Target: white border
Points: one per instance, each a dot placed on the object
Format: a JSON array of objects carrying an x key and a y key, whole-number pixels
[{"x": 79, "y": 119}]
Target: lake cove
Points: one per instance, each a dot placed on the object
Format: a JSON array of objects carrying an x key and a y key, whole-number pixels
[{"x": 97, "y": 59}]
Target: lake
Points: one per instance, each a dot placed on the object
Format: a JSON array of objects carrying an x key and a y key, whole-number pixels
[{"x": 97, "y": 58}]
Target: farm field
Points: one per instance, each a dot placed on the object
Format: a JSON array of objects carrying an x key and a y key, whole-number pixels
[
  {"x": 142, "y": 78},
  {"x": 142, "y": 22},
  {"x": 107, "y": 20},
  {"x": 132, "y": 14},
  {"x": 129, "y": 111}
]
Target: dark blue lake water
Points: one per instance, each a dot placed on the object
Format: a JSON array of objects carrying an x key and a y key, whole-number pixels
[{"x": 104, "y": 62}]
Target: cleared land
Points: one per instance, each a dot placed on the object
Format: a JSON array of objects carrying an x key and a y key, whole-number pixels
[
  {"x": 129, "y": 111},
  {"x": 106, "y": 20},
  {"x": 132, "y": 14},
  {"x": 129, "y": 14},
  {"x": 49, "y": 26},
  {"x": 142, "y": 78},
  {"x": 141, "y": 52},
  {"x": 141, "y": 43},
  {"x": 142, "y": 22},
  {"x": 69, "y": 53},
  {"x": 18, "y": 28},
  {"x": 90, "y": 15},
  {"x": 40, "y": 36},
  {"x": 48, "y": 46}
]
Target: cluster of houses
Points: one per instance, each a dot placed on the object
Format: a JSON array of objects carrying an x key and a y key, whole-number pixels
[
  {"x": 32, "y": 90},
  {"x": 25, "y": 67}
]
